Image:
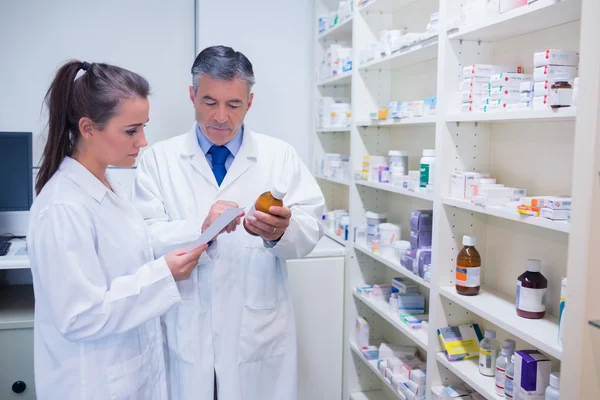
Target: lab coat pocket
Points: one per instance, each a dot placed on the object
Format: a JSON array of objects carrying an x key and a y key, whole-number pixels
[
  {"x": 264, "y": 279},
  {"x": 180, "y": 323},
  {"x": 137, "y": 378},
  {"x": 263, "y": 332}
]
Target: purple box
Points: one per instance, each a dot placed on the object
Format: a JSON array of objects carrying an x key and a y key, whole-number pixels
[
  {"x": 408, "y": 259},
  {"x": 423, "y": 258},
  {"x": 532, "y": 371},
  {"x": 420, "y": 240},
  {"x": 421, "y": 220}
]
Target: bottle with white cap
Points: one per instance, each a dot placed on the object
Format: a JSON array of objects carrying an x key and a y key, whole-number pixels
[
  {"x": 488, "y": 352},
  {"x": 531, "y": 291},
  {"x": 553, "y": 391},
  {"x": 265, "y": 201},
  {"x": 508, "y": 349}
]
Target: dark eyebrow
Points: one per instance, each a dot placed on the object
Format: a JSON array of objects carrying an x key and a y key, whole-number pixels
[
  {"x": 209, "y": 98},
  {"x": 140, "y": 124},
  {"x": 237, "y": 101}
]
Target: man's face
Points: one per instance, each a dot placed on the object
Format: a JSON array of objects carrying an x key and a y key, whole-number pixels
[{"x": 221, "y": 107}]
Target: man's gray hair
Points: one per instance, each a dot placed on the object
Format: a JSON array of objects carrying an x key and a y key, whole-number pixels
[{"x": 224, "y": 63}]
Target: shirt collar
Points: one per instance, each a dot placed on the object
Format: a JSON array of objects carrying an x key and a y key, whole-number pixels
[
  {"x": 233, "y": 145},
  {"x": 84, "y": 178}
]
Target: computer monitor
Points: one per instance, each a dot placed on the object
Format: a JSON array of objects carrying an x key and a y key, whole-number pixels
[{"x": 16, "y": 176}]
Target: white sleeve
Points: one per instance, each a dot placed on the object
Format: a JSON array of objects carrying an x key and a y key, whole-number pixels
[
  {"x": 305, "y": 200},
  {"x": 147, "y": 198},
  {"x": 83, "y": 304}
]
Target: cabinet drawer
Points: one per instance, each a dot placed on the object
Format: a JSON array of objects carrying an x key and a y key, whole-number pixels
[{"x": 16, "y": 364}]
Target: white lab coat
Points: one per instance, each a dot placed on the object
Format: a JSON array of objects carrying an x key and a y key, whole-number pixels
[
  {"x": 236, "y": 317},
  {"x": 99, "y": 293}
]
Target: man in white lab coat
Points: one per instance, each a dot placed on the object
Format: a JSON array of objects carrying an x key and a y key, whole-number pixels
[{"x": 234, "y": 334}]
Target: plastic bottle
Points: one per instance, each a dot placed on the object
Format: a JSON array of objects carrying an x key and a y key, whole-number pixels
[
  {"x": 508, "y": 349},
  {"x": 531, "y": 291},
  {"x": 553, "y": 391},
  {"x": 264, "y": 202},
  {"x": 427, "y": 168},
  {"x": 468, "y": 268},
  {"x": 509, "y": 387},
  {"x": 488, "y": 352}
]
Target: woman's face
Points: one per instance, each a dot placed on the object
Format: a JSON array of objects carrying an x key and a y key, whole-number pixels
[{"x": 119, "y": 142}]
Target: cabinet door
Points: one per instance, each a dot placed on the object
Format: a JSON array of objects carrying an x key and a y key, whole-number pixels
[{"x": 16, "y": 364}]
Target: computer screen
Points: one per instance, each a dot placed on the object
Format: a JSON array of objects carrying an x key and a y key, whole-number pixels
[{"x": 16, "y": 176}]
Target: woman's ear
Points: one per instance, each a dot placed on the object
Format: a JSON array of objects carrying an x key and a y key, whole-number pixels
[{"x": 86, "y": 127}]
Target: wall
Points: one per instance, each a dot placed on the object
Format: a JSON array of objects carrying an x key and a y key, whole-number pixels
[
  {"x": 151, "y": 37},
  {"x": 276, "y": 35}
]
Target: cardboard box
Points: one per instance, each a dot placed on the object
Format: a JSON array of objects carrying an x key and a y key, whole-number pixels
[
  {"x": 553, "y": 73},
  {"x": 474, "y": 84},
  {"x": 457, "y": 185},
  {"x": 541, "y": 103},
  {"x": 542, "y": 88},
  {"x": 555, "y": 215},
  {"x": 486, "y": 70},
  {"x": 532, "y": 371},
  {"x": 557, "y": 203},
  {"x": 556, "y": 57},
  {"x": 526, "y": 86},
  {"x": 509, "y": 79},
  {"x": 507, "y": 5},
  {"x": 362, "y": 332}
]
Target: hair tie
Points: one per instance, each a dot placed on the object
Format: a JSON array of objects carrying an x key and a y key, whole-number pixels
[{"x": 85, "y": 66}]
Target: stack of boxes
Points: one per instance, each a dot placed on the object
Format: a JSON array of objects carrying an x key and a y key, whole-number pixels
[
  {"x": 419, "y": 254},
  {"x": 552, "y": 66},
  {"x": 337, "y": 59},
  {"x": 475, "y": 88}
]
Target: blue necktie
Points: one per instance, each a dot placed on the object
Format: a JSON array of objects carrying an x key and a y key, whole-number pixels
[{"x": 219, "y": 156}]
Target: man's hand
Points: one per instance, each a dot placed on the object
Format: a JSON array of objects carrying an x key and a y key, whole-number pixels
[
  {"x": 215, "y": 212},
  {"x": 270, "y": 227}
]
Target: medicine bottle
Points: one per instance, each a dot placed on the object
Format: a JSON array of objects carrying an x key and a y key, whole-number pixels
[
  {"x": 427, "y": 170},
  {"x": 553, "y": 391},
  {"x": 509, "y": 384},
  {"x": 531, "y": 291},
  {"x": 468, "y": 268},
  {"x": 488, "y": 352},
  {"x": 265, "y": 201},
  {"x": 561, "y": 94},
  {"x": 508, "y": 349}
]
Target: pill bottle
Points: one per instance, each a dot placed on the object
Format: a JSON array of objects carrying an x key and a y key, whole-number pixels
[
  {"x": 468, "y": 268},
  {"x": 509, "y": 384},
  {"x": 488, "y": 352},
  {"x": 561, "y": 94},
  {"x": 427, "y": 168},
  {"x": 508, "y": 349},
  {"x": 553, "y": 390},
  {"x": 531, "y": 291},
  {"x": 265, "y": 201}
]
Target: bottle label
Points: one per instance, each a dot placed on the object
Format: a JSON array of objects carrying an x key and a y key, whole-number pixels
[
  {"x": 508, "y": 387},
  {"x": 500, "y": 380},
  {"x": 487, "y": 359},
  {"x": 468, "y": 277},
  {"x": 531, "y": 300},
  {"x": 424, "y": 175}
]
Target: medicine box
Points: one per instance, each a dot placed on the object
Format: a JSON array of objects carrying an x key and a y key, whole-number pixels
[
  {"x": 411, "y": 304},
  {"x": 486, "y": 70},
  {"x": 553, "y": 73},
  {"x": 387, "y": 351},
  {"x": 555, "y": 215},
  {"x": 474, "y": 84},
  {"x": 557, "y": 203},
  {"x": 460, "y": 342},
  {"x": 504, "y": 92},
  {"x": 420, "y": 240},
  {"x": 507, "y": 5},
  {"x": 430, "y": 105},
  {"x": 532, "y": 371},
  {"x": 526, "y": 86},
  {"x": 541, "y": 103},
  {"x": 471, "y": 96},
  {"x": 404, "y": 286},
  {"x": 370, "y": 352},
  {"x": 556, "y": 57},
  {"x": 509, "y": 79},
  {"x": 421, "y": 220},
  {"x": 457, "y": 185},
  {"x": 525, "y": 97},
  {"x": 362, "y": 332}
]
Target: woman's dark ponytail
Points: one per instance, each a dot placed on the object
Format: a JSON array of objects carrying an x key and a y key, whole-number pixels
[
  {"x": 95, "y": 95},
  {"x": 60, "y": 142}
]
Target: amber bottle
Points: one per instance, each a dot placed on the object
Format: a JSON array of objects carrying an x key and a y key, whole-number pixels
[
  {"x": 265, "y": 201},
  {"x": 468, "y": 268}
]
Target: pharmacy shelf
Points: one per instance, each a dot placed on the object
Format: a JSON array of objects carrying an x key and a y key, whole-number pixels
[
  {"x": 416, "y": 121},
  {"x": 499, "y": 309},
  {"x": 335, "y": 237},
  {"x": 385, "y": 6},
  {"x": 340, "y": 80},
  {"x": 383, "y": 309},
  {"x": 393, "y": 265},
  {"x": 531, "y": 18},
  {"x": 415, "y": 54},
  {"x": 388, "y": 187},
  {"x": 341, "y": 31},
  {"x": 468, "y": 371},
  {"x": 16, "y": 307},
  {"x": 338, "y": 181},
  {"x": 559, "y": 114},
  {"x": 332, "y": 130},
  {"x": 505, "y": 213},
  {"x": 372, "y": 364},
  {"x": 374, "y": 395}
]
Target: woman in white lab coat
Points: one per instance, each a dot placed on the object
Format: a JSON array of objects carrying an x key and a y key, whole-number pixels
[{"x": 99, "y": 292}]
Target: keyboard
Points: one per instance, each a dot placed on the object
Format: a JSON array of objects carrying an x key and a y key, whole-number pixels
[{"x": 4, "y": 247}]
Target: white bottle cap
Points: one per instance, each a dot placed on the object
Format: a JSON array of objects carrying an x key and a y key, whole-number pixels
[
  {"x": 490, "y": 333},
  {"x": 508, "y": 347},
  {"x": 469, "y": 240},
  {"x": 533, "y": 265},
  {"x": 278, "y": 192},
  {"x": 428, "y": 153},
  {"x": 555, "y": 379}
]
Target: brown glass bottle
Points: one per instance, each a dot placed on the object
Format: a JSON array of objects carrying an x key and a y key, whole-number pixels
[
  {"x": 265, "y": 201},
  {"x": 531, "y": 291},
  {"x": 468, "y": 268}
]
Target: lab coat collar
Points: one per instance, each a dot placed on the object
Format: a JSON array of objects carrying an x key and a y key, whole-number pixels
[
  {"x": 83, "y": 178},
  {"x": 243, "y": 160}
]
